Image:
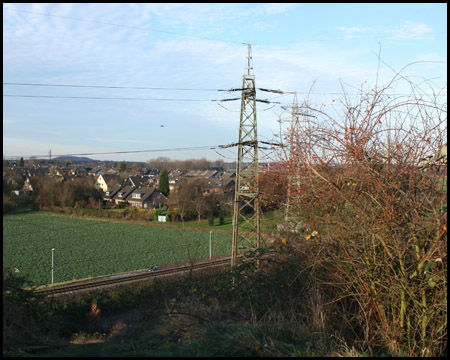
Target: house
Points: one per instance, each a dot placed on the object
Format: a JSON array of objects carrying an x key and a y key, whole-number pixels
[
  {"x": 228, "y": 185},
  {"x": 41, "y": 172},
  {"x": 147, "y": 198},
  {"x": 111, "y": 191},
  {"x": 175, "y": 176},
  {"x": 111, "y": 172},
  {"x": 175, "y": 184},
  {"x": 80, "y": 171},
  {"x": 27, "y": 187},
  {"x": 137, "y": 181},
  {"x": 208, "y": 174},
  {"x": 122, "y": 195},
  {"x": 223, "y": 186},
  {"x": 103, "y": 181},
  {"x": 228, "y": 175},
  {"x": 96, "y": 171}
]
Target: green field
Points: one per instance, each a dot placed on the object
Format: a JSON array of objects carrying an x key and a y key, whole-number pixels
[{"x": 88, "y": 247}]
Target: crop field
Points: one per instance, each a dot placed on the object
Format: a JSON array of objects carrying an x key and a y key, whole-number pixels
[{"x": 93, "y": 247}]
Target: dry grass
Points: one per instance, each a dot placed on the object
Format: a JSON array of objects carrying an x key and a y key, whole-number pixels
[{"x": 84, "y": 338}]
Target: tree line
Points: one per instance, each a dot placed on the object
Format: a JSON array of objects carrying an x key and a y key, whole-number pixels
[
  {"x": 190, "y": 164},
  {"x": 49, "y": 193}
]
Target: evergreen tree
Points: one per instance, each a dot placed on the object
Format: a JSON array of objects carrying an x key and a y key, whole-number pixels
[
  {"x": 123, "y": 166},
  {"x": 211, "y": 219},
  {"x": 221, "y": 218},
  {"x": 164, "y": 182},
  {"x": 21, "y": 162}
]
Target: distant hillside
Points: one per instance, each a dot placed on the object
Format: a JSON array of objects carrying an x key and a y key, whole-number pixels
[{"x": 73, "y": 159}]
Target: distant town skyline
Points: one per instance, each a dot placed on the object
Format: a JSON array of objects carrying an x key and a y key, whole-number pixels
[{"x": 132, "y": 82}]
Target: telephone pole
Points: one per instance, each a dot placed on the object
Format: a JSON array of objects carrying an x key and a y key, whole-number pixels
[{"x": 246, "y": 200}]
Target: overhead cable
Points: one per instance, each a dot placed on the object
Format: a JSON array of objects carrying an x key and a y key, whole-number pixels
[
  {"x": 127, "y": 26},
  {"x": 120, "y": 98},
  {"x": 97, "y": 98},
  {"x": 183, "y": 89},
  {"x": 108, "y": 87},
  {"x": 205, "y": 147}
]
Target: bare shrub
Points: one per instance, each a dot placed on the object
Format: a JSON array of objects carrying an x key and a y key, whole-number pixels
[
  {"x": 367, "y": 180},
  {"x": 8, "y": 205}
]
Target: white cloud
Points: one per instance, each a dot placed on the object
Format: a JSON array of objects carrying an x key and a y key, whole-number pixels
[
  {"x": 407, "y": 31},
  {"x": 277, "y": 8},
  {"x": 411, "y": 31},
  {"x": 354, "y": 31}
]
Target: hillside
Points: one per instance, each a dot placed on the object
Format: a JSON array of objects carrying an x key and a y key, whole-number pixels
[
  {"x": 202, "y": 315},
  {"x": 74, "y": 159}
]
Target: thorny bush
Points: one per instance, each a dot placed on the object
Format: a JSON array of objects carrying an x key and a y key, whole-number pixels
[{"x": 368, "y": 185}]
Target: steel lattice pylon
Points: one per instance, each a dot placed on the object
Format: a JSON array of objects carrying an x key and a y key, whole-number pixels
[
  {"x": 293, "y": 140},
  {"x": 246, "y": 200}
]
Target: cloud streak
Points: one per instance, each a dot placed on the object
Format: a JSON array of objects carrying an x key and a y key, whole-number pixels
[{"x": 408, "y": 30}]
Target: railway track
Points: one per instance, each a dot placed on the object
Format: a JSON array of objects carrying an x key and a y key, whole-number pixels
[{"x": 108, "y": 282}]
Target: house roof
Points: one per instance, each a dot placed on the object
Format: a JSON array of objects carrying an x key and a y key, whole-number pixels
[
  {"x": 113, "y": 191},
  {"x": 175, "y": 174},
  {"x": 109, "y": 177},
  {"x": 137, "y": 180},
  {"x": 95, "y": 171},
  {"x": 202, "y": 173},
  {"x": 39, "y": 172},
  {"x": 126, "y": 191},
  {"x": 146, "y": 193},
  {"x": 228, "y": 175}
]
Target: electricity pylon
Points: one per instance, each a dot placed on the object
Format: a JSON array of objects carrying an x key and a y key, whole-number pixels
[
  {"x": 292, "y": 143},
  {"x": 246, "y": 200}
]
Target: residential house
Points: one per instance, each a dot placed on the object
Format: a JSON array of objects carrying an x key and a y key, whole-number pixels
[
  {"x": 228, "y": 185},
  {"x": 149, "y": 172},
  {"x": 147, "y": 198},
  {"x": 175, "y": 176},
  {"x": 175, "y": 184},
  {"x": 111, "y": 191},
  {"x": 224, "y": 182},
  {"x": 27, "y": 187},
  {"x": 80, "y": 171},
  {"x": 137, "y": 181},
  {"x": 111, "y": 171},
  {"x": 39, "y": 172},
  {"x": 222, "y": 186},
  {"x": 103, "y": 181},
  {"x": 122, "y": 195},
  {"x": 206, "y": 174},
  {"x": 96, "y": 171}
]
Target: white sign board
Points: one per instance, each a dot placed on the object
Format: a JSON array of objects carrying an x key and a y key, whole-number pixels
[{"x": 162, "y": 218}]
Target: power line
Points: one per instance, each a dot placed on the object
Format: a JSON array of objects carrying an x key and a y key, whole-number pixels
[
  {"x": 212, "y": 147},
  {"x": 149, "y": 99},
  {"x": 98, "y": 98},
  {"x": 138, "y": 87},
  {"x": 122, "y": 98},
  {"x": 204, "y": 147},
  {"x": 283, "y": 93},
  {"x": 127, "y": 26},
  {"x": 109, "y": 87}
]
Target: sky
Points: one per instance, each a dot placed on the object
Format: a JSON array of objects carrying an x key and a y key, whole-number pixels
[{"x": 133, "y": 82}]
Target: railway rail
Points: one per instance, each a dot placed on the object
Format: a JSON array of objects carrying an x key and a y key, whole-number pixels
[{"x": 108, "y": 282}]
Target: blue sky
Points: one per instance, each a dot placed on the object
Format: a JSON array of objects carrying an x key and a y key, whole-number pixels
[{"x": 142, "y": 45}]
